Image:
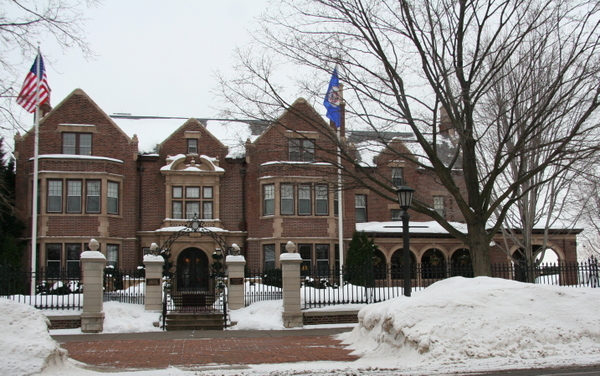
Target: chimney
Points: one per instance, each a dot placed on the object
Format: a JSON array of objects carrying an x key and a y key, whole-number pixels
[
  {"x": 446, "y": 128},
  {"x": 45, "y": 108}
]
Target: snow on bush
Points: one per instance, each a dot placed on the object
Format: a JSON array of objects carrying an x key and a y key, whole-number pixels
[
  {"x": 26, "y": 347},
  {"x": 462, "y": 319}
]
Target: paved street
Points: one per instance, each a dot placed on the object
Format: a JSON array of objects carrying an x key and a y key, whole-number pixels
[{"x": 233, "y": 349}]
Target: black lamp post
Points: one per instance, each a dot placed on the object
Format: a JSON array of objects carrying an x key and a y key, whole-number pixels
[{"x": 405, "y": 196}]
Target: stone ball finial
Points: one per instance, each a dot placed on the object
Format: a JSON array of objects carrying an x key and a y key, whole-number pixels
[
  {"x": 290, "y": 247},
  {"x": 94, "y": 245}
]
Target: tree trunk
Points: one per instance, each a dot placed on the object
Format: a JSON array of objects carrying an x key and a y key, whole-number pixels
[{"x": 479, "y": 244}]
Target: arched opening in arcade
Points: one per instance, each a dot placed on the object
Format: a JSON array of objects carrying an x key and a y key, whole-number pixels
[
  {"x": 461, "y": 264},
  {"x": 396, "y": 265},
  {"x": 433, "y": 264}
]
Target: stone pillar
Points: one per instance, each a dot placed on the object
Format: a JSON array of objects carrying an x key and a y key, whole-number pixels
[
  {"x": 290, "y": 265},
  {"x": 235, "y": 282},
  {"x": 153, "y": 296},
  {"x": 92, "y": 264}
]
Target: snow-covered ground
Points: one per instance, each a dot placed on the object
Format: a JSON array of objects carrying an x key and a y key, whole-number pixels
[{"x": 453, "y": 326}]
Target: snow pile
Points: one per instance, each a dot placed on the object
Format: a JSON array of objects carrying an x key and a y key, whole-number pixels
[
  {"x": 266, "y": 315},
  {"x": 128, "y": 318},
  {"x": 462, "y": 320},
  {"x": 26, "y": 345}
]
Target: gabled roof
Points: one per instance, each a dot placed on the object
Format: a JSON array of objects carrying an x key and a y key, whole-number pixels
[
  {"x": 292, "y": 112},
  {"x": 82, "y": 93},
  {"x": 154, "y": 130}
]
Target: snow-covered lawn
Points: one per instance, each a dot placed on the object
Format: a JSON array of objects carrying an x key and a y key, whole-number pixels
[{"x": 454, "y": 325}]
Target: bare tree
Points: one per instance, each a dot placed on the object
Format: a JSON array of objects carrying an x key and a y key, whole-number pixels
[
  {"x": 588, "y": 194},
  {"x": 547, "y": 196},
  {"x": 479, "y": 61},
  {"x": 25, "y": 23}
]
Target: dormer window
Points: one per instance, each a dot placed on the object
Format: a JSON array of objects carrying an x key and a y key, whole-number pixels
[{"x": 77, "y": 143}]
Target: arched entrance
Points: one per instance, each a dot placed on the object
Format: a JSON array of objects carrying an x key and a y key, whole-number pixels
[{"x": 193, "y": 272}]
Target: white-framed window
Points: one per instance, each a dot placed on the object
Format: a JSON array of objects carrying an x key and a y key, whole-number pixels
[
  {"x": 287, "y": 198},
  {"x": 268, "y": 199},
  {"x": 304, "y": 199},
  {"x": 55, "y": 195},
  {"x": 397, "y": 176},
  {"x": 321, "y": 199},
  {"x": 92, "y": 200},
  {"x": 74, "y": 196},
  {"x": 360, "y": 206},
  {"x": 113, "y": 198},
  {"x": 192, "y": 146}
]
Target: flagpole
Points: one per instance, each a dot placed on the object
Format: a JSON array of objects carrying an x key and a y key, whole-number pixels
[
  {"x": 334, "y": 103},
  {"x": 34, "y": 201},
  {"x": 340, "y": 134}
]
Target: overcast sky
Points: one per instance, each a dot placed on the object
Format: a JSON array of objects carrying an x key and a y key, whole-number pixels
[{"x": 154, "y": 57}]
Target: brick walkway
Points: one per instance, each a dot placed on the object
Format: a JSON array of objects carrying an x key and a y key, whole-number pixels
[{"x": 162, "y": 353}]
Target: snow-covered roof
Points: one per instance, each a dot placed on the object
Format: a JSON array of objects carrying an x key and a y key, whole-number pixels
[
  {"x": 154, "y": 130},
  {"x": 430, "y": 227},
  {"x": 77, "y": 156},
  {"x": 187, "y": 229}
]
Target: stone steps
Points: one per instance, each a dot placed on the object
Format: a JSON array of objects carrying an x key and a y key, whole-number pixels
[{"x": 194, "y": 321}]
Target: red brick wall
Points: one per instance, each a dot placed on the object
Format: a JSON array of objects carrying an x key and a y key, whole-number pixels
[{"x": 107, "y": 141}]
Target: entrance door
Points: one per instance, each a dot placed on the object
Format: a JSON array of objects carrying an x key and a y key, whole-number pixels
[{"x": 192, "y": 270}]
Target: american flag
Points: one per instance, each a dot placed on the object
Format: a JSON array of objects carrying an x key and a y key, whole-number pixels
[{"x": 29, "y": 98}]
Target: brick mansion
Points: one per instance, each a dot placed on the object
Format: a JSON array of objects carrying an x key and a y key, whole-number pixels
[{"x": 256, "y": 184}]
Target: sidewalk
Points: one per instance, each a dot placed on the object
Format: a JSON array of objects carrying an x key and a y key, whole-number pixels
[{"x": 158, "y": 350}]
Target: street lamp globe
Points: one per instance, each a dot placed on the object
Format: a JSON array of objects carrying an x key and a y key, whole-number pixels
[{"x": 405, "y": 196}]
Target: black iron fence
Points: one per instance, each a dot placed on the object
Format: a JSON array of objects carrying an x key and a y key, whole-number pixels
[
  {"x": 372, "y": 284},
  {"x": 54, "y": 288},
  {"x": 262, "y": 285},
  {"x": 124, "y": 285}
]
